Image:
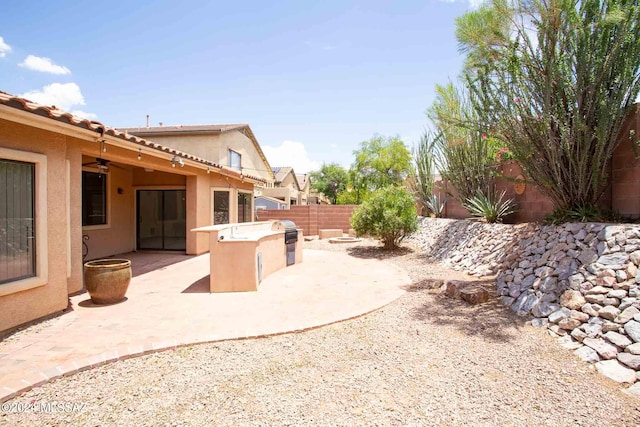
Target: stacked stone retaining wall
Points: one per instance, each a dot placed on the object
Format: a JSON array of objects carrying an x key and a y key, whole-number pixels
[{"x": 581, "y": 280}]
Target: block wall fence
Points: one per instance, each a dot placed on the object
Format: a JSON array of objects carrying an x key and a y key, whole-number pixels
[
  {"x": 621, "y": 196},
  {"x": 312, "y": 218}
]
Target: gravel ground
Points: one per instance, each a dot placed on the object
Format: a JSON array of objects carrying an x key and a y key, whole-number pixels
[{"x": 422, "y": 360}]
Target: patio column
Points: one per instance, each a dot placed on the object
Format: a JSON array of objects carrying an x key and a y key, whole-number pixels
[{"x": 198, "y": 213}]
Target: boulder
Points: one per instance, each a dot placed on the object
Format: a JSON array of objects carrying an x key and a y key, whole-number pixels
[
  {"x": 634, "y": 390},
  {"x": 453, "y": 287},
  {"x": 632, "y": 328},
  {"x": 615, "y": 260},
  {"x": 598, "y": 290},
  {"x": 594, "y": 298},
  {"x": 604, "y": 349},
  {"x": 587, "y": 354},
  {"x": 569, "y": 324},
  {"x": 609, "y": 312},
  {"x": 578, "y": 334},
  {"x": 590, "y": 310},
  {"x": 608, "y": 326},
  {"x": 614, "y": 370},
  {"x": 572, "y": 299},
  {"x": 544, "y": 309},
  {"x": 592, "y": 330},
  {"x": 617, "y": 339},
  {"x": 579, "y": 315},
  {"x": 569, "y": 343},
  {"x": 633, "y": 348},
  {"x": 474, "y": 294},
  {"x": 560, "y": 314},
  {"x": 630, "y": 360},
  {"x": 617, "y": 293},
  {"x": 626, "y": 315}
]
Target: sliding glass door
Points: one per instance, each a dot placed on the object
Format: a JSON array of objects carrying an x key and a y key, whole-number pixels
[{"x": 162, "y": 220}]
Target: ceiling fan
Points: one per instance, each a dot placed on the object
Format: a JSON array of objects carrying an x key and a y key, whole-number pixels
[{"x": 101, "y": 164}]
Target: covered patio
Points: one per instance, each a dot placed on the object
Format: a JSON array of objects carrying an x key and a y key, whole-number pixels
[{"x": 169, "y": 305}]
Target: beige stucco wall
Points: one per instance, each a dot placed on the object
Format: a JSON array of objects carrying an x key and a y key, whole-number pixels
[
  {"x": 233, "y": 261},
  {"x": 118, "y": 236},
  {"x": 21, "y": 307},
  {"x": 215, "y": 148},
  {"x": 64, "y": 157}
]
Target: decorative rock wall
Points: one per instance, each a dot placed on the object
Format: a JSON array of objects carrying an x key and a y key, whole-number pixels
[{"x": 581, "y": 280}]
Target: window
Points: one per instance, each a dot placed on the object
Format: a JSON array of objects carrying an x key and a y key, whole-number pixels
[
  {"x": 23, "y": 221},
  {"x": 17, "y": 221},
  {"x": 220, "y": 207},
  {"x": 244, "y": 207},
  {"x": 235, "y": 160},
  {"x": 94, "y": 198}
]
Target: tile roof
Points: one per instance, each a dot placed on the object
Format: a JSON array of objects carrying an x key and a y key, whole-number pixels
[
  {"x": 185, "y": 129},
  {"x": 56, "y": 114}
]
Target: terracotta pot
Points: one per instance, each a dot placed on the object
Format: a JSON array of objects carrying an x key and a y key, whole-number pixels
[{"x": 107, "y": 280}]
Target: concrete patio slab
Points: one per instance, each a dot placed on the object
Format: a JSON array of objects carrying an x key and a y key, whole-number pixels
[{"x": 168, "y": 305}]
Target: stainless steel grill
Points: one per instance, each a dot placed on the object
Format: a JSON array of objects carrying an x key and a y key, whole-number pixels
[{"x": 290, "y": 239}]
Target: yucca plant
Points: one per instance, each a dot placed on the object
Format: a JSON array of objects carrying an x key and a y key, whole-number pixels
[
  {"x": 489, "y": 206},
  {"x": 436, "y": 205}
]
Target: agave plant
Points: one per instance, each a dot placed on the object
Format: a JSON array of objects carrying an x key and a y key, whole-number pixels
[
  {"x": 435, "y": 205},
  {"x": 489, "y": 206}
]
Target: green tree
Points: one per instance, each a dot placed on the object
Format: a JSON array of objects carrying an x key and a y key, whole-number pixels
[
  {"x": 465, "y": 155},
  {"x": 330, "y": 180},
  {"x": 380, "y": 162},
  {"x": 557, "y": 86},
  {"x": 389, "y": 215},
  {"x": 423, "y": 169}
]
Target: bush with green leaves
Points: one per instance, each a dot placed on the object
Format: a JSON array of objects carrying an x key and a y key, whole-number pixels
[
  {"x": 436, "y": 205},
  {"x": 389, "y": 214},
  {"x": 490, "y": 206}
]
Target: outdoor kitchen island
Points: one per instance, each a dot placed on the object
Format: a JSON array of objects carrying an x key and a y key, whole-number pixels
[{"x": 241, "y": 255}]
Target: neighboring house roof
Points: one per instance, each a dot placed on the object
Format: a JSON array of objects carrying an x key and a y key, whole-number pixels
[
  {"x": 302, "y": 180},
  {"x": 56, "y": 114},
  {"x": 282, "y": 172},
  {"x": 200, "y": 130}
]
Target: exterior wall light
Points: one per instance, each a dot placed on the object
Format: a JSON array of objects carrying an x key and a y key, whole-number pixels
[{"x": 177, "y": 161}]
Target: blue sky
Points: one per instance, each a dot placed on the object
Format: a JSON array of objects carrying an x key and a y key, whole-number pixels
[{"x": 312, "y": 79}]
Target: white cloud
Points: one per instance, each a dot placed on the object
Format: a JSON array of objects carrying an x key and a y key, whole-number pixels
[
  {"x": 84, "y": 114},
  {"x": 291, "y": 153},
  {"x": 62, "y": 95},
  {"x": 333, "y": 145},
  {"x": 44, "y": 65},
  {"x": 4, "y": 48}
]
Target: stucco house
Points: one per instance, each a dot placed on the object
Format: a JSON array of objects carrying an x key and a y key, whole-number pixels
[
  {"x": 63, "y": 177},
  {"x": 232, "y": 145},
  {"x": 286, "y": 188},
  {"x": 304, "y": 181}
]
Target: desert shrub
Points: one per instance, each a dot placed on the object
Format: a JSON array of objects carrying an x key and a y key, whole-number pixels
[
  {"x": 436, "y": 205},
  {"x": 490, "y": 206},
  {"x": 389, "y": 214}
]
